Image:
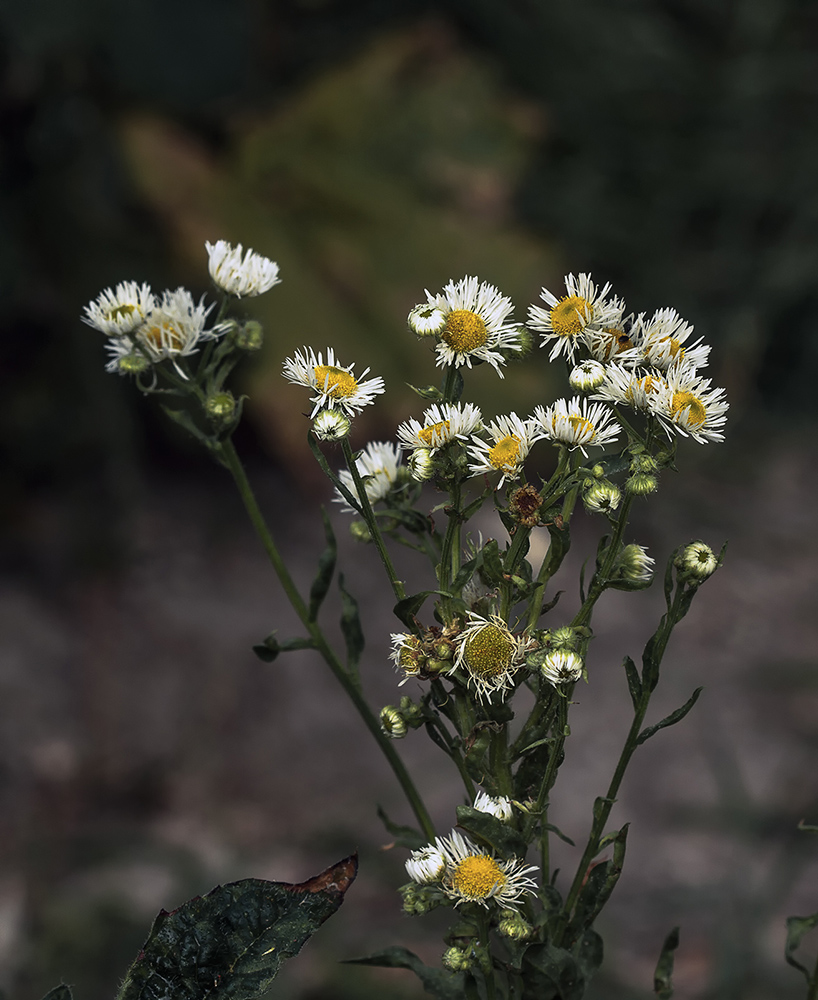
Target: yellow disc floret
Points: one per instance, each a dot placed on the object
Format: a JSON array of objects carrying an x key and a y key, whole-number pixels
[
  {"x": 162, "y": 336},
  {"x": 489, "y": 652},
  {"x": 581, "y": 426},
  {"x": 477, "y": 877},
  {"x": 465, "y": 331},
  {"x": 335, "y": 382},
  {"x": 696, "y": 411},
  {"x": 506, "y": 453},
  {"x": 571, "y": 315},
  {"x": 431, "y": 434}
]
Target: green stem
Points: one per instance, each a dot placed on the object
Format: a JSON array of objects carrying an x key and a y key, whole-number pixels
[
  {"x": 371, "y": 521},
  {"x": 812, "y": 993},
  {"x": 350, "y": 685},
  {"x": 601, "y": 576}
]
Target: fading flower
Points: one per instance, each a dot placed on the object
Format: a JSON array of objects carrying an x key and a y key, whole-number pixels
[
  {"x": 174, "y": 326},
  {"x": 489, "y": 654},
  {"x": 243, "y": 276}
]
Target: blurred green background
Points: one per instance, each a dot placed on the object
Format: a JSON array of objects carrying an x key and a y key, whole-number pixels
[{"x": 373, "y": 149}]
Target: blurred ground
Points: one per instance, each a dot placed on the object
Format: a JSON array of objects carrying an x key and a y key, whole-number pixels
[{"x": 149, "y": 755}]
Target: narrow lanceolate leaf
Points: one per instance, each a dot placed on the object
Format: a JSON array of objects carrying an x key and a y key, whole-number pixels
[
  {"x": 230, "y": 943},
  {"x": 351, "y": 625},
  {"x": 634, "y": 683},
  {"x": 326, "y": 568},
  {"x": 670, "y": 720},
  {"x": 405, "y": 836},
  {"x": 663, "y": 977},
  {"x": 443, "y": 985},
  {"x": 61, "y": 992},
  {"x": 797, "y": 927}
]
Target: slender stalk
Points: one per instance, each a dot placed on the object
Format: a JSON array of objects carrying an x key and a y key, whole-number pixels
[
  {"x": 812, "y": 993},
  {"x": 583, "y": 616},
  {"x": 371, "y": 521},
  {"x": 350, "y": 685}
]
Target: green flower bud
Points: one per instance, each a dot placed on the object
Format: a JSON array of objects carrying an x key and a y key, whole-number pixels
[
  {"x": 457, "y": 959},
  {"x": 331, "y": 425},
  {"x": 602, "y": 497},
  {"x": 133, "y": 364},
  {"x": 641, "y": 483},
  {"x": 360, "y": 531},
  {"x": 515, "y": 927},
  {"x": 696, "y": 562},
  {"x": 393, "y": 723},
  {"x": 221, "y": 407},
  {"x": 250, "y": 336}
]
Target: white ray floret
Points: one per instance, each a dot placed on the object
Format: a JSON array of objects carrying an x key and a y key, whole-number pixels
[
  {"x": 687, "y": 405},
  {"x": 442, "y": 424},
  {"x": 632, "y": 387},
  {"x": 239, "y": 272},
  {"x": 120, "y": 311},
  {"x": 174, "y": 326},
  {"x": 577, "y": 423},
  {"x": 500, "y": 807},
  {"x": 567, "y": 319},
  {"x": 663, "y": 341},
  {"x": 334, "y": 384},
  {"x": 510, "y": 440},
  {"x": 473, "y": 875},
  {"x": 426, "y": 865},
  {"x": 475, "y": 327},
  {"x": 379, "y": 466}
]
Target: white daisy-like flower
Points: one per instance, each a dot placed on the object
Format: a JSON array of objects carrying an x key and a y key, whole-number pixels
[
  {"x": 476, "y": 327},
  {"x": 587, "y": 376},
  {"x": 174, "y": 326},
  {"x": 561, "y": 666},
  {"x": 473, "y": 875},
  {"x": 499, "y": 807},
  {"x": 510, "y": 440},
  {"x": 120, "y": 311},
  {"x": 488, "y": 652},
  {"x": 687, "y": 405},
  {"x": 426, "y": 320},
  {"x": 663, "y": 341},
  {"x": 379, "y": 466},
  {"x": 335, "y": 385},
  {"x": 616, "y": 341},
  {"x": 633, "y": 387},
  {"x": 567, "y": 319},
  {"x": 426, "y": 865},
  {"x": 442, "y": 423},
  {"x": 406, "y": 654},
  {"x": 577, "y": 423},
  {"x": 243, "y": 276}
]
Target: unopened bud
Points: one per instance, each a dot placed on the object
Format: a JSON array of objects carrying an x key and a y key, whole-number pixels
[
  {"x": 515, "y": 927},
  {"x": 360, "y": 531},
  {"x": 586, "y": 377},
  {"x": 634, "y": 566},
  {"x": 426, "y": 320},
  {"x": 421, "y": 465},
  {"x": 393, "y": 723},
  {"x": 250, "y": 336},
  {"x": 220, "y": 407},
  {"x": 457, "y": 959},
  {"x": 696, "y": 562},
  {"x": 641, "y": 483},
  {"x": 561, "y": 667},
  {"x": 331, "y": 425},
  {"x": 133, "y": 364},
  {"x": 601, "y": 497},
  {"x": 522, "y": 345}
]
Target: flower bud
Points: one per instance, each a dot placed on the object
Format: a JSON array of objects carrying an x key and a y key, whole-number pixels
[
  {"x": 561, "y": 667},
  {"x": 586, "y": 377},
  {"x": 220, "y": 407},
  {"x": 133, "y": 364},
  {"x": 250, "y": 336},
  {"x": 696, "y": 562},
  {"x": 515, "y": 927},
  {"x": 641, "y": 483},
  {"x": 634, "y": 567},
  {"x": 421, "y": 465},
  {"x": 566, "y": 638},
  {"x": 331, "y": 425},
  {"x": 360, "y": 531},
  {"x": 426, "y": 866},
  {"x": 521, "y": 346},
  {"x": 393, "y": 723},
  {"x": 426, "y": 320},
  {"x": 643, "y": 462},
  {"x": 412, "y": 713},
  {"x": 601, "y": 497},
  {"x": 457, "y": 959}
]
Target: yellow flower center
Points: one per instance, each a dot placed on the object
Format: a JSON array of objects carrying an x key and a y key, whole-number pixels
[
  {"x": 465, "y": 331},
  {"x": 581, "y": 426},
  {"x": 476, "y": 876},
  {"x": 335, "y": 382},
  {"x": 430, "y": 435},
  {"x": 571, "y": 315},
  {"x": 122, "y": 311},
  {"x": 163, "y": 336},
  {"x": 506, "y": 453},
  {"x": 489, "y": 652},
  {"x": 696, "y": 412}
]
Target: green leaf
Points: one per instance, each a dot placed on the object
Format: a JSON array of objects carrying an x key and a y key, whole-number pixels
[
  {"x": 551, "y": 973},
  {"x": 430, "y": 392},
  {"x": 634, "y": 683},
  {"x": 600, "y": 883},
  {"x": 492, "y": 570},
  {"x": 407, "y": 609},
  {"x": 797, "y": 927},
  {"x": 61, "y": 992},
  {"x": 405, "y": 836},
  {"x": 326, "y": 569},
  {"x": 441, "y": 984},
  {"x": 500, "y": 837},
  {"x": 663, "y": 977},
  {"x": 671, "y": 719},
  {"x": 232, "y": 941},
  {"x": 269, "y": 649},
  {"x": 351, "y": 625}
]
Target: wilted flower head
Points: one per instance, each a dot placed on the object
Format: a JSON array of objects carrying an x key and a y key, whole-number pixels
[
  {"x": 245, "y": 276},
  {"x": 489, "y": 654},
  {"x": 174, "y": 326}
]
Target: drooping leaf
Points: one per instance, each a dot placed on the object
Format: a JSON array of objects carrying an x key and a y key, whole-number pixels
[
  {"x": 663, "y": 977},
  {"x": 406, "y": 609},
  {"x": 231, "y": 942},
  {"x": 351, "y": 625},
  {"x": 797, "y": 927},
  {"x": 670, "y": 720},
  {"x": 269, "y": 649},
  {"x": 441, "y": 984},
  {"x": 405, "y": 836},
  {"x": 326, "y": 569},
  {"x": 499, "y": 836}
]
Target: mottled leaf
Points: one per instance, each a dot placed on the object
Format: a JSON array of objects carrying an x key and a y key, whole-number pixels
[
  {"x": 231, "y": 942},
  {"x": 441, "y": 984},
  {"x": 663, "y": 977}
]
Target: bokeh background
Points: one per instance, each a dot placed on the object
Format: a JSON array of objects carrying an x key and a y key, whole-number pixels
[{"x": 375, "y": 149}]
